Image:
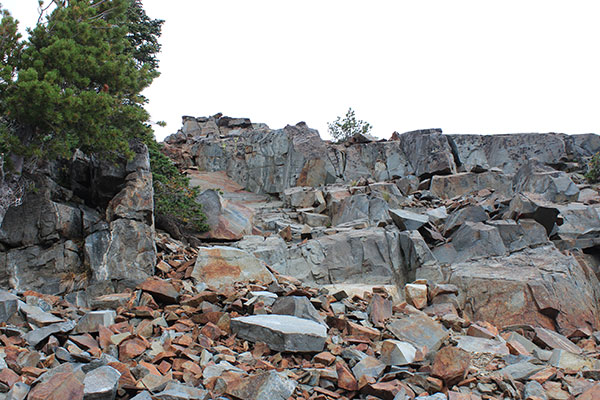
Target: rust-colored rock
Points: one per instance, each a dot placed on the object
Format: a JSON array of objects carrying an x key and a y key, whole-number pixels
[
  {"x": 131, "y": 348},
  {"x": 346, "y": 379},
  {"x": 161, "y": 290},
  {"x": 380, "y": 310},
  {"x": 61, "y": 386},
  {"x": 220, "y": 267},
  {"x": 451, "y": 365}
]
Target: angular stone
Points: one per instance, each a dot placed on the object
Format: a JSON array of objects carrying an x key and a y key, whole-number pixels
[
  {"x": 533, "y": 388},
  {"x": 37, "y": 316},
  {"x": 462, "y": 215},
  {"x": 407, "y": 220},
  {"x": 19, "y": 391},
  {"x": 125, "y": 251},
  {"x": 178, "y": 391},
  {"x": 281, "y": 332},
  {"x": 592, "y": 393},
  {"x": 220, "y": 267},
  {"x": 162, "y": 291},
  {"x": 101, "y": 383},
  {"x": 419, "y": 330},
  {"x": 368, "y": 367},
  {"x": 8, "y": 305},
  {"x": 395, "y": 352},
  {"x": 416, "y": 295},
  {"x": 451, "y": 364},
  {"x": 416, "y": 255},
  {"x": 569, "y": 361},
  {"x": 228, "y": 219},
  {"x": 451, "y": 186},
  {"x": 93, "y": 319},
  {"x": 346, "y": 379},
  {"x": 37, "y": 336},
  {"x": 270, "y": 385},
  {"x": 297, "y": 306},
  {"x": 60, "y": 386},
  {"x": 476, "y": 240},
  {"x": 481, "y": 345},
  {"x": 379, "y": 310},
  {"x": 521, "y": 370},
  {"x": 553, "y": 340},
  {"x": 554, "y": 186}
]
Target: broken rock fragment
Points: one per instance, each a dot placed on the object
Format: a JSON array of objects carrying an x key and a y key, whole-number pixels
[{"x": 281, "y": 332}]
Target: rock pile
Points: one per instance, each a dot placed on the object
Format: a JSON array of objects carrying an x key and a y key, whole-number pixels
[
  {"x": 427, "y": 266},
  {"x": 174, "y": 337}
]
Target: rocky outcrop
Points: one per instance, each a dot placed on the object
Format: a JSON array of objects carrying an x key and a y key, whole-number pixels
[{"x": 94, "y": 228}]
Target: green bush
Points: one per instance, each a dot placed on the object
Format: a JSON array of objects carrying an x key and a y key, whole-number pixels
[
  {"x": 343, "y": 129},
  {"x": 173, "y": 197},
  {"x": 593, "y": 173}
]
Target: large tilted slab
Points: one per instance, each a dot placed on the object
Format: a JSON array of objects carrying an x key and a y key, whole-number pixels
[{"x": 281, "y": 332}]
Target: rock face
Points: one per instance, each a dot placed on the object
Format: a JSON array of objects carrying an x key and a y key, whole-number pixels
[{"x": 55, "y": 241}]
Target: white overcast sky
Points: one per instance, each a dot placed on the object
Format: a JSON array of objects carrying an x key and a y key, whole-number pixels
[{"x": 463, "y": 66}]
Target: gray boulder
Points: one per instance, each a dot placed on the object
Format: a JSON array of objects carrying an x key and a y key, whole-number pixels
[
  {"x": 281, "y": 332},
  {"x": 552, "y": 185},
  {"x": 451, "y": 186}
]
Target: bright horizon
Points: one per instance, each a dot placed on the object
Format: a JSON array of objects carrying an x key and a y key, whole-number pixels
[{"x": 467, "y": 67}]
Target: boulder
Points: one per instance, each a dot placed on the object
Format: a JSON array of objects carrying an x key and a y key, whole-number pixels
[
  {"x": 532, "y": 206},
  {"x": 395, "y": 352},
  {"x": 510, "y": 152},
  {"x": 101, "y": 383},
  {"x": 41, "y": 268},
  {"x": 299, "y": 197},
  {"x": 297, "y": 306},
  {"x": 476, "y": 240},
  {"x": 428, "y": 152},
  {"x": 227, "y": 219},
  {"x": 269, "y": 385},
  {"x": 419, "y": 330},
  {"x": 580, "y": 226},
  {"x": 461, "y": 184},
  {"x": 540, "y": 287},
  {"x": 362, "y": 206},
  {"x": 519, "y": 235},
  {"x": 407, "y": 220},
  {"x": 281, "y": 332},
  {"x": 366, "y": 256},
  {"x": 462, "y": 215},
  {"x": 220, "y": 267},
  {"x": 135, "y": 201},
  {"x": 552, "y": 185}
]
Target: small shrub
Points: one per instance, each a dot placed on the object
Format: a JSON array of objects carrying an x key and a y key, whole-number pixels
[
  {"x": 343, "y": 129},
  {"x": 172, "y": 195},
  {"x": 593, "y": 173}
]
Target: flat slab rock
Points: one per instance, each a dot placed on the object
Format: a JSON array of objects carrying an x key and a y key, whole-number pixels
[
  {"x": 220, "y": 267},
  {"x": 281, "y": 332}
]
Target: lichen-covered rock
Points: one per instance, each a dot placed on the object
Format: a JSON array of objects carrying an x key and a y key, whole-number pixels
[{"x": 220, "y": 267}]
